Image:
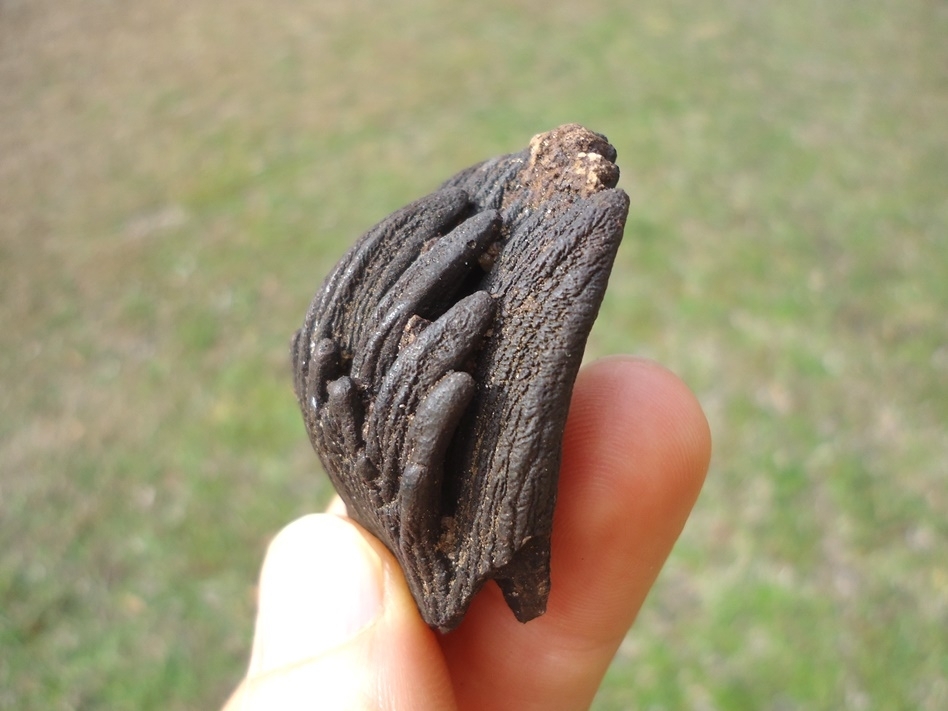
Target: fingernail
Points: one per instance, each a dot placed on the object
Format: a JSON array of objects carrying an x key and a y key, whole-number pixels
[{"x": 321, "y": 585}]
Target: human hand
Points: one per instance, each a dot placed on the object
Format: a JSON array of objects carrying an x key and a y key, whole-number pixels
[{"x": 337, "y": 627}]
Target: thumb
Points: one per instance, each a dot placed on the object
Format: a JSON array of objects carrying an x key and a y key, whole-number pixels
[{"x": 337, "y": 627}]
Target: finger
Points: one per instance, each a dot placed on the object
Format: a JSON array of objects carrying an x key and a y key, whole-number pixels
[
  {"x": 337, "y": 628},
  {"x": 636, "y": 450},
  {"x": 337, "y": 506}
]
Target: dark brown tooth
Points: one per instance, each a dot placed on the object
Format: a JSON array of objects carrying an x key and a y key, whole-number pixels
[{"x": 435, "y": 366}]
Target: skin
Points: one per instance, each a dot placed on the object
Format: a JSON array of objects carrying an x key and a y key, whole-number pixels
[{"x": 337, "y": 627}]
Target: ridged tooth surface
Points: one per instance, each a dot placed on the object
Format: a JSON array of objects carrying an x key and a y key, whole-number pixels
[{"x": 435, "y": 366}]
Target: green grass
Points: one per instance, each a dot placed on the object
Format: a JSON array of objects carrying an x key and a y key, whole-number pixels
[{"x": 175, "y": 181}]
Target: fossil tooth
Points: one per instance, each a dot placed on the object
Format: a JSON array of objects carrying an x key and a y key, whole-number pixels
[{"x": 435, "y": 366}]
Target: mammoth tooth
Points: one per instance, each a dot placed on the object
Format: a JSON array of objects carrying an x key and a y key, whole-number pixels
[{"x": 435, "y": 366}]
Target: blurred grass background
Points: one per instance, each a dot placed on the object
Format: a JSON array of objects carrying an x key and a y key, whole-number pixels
[{"x": 176, "y": 178}]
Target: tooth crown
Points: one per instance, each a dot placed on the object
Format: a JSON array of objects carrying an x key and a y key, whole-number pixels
[{"x": 435, "y": 366}]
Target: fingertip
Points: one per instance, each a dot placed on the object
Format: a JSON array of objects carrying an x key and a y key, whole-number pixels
[
  {"x": 337, "y": 626},
  {"x": 337, "y": 507},
  {"x": 628, "y": 408},
  {"x": 321, "y": 584},
  {"x": 635, "y": 453}
]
